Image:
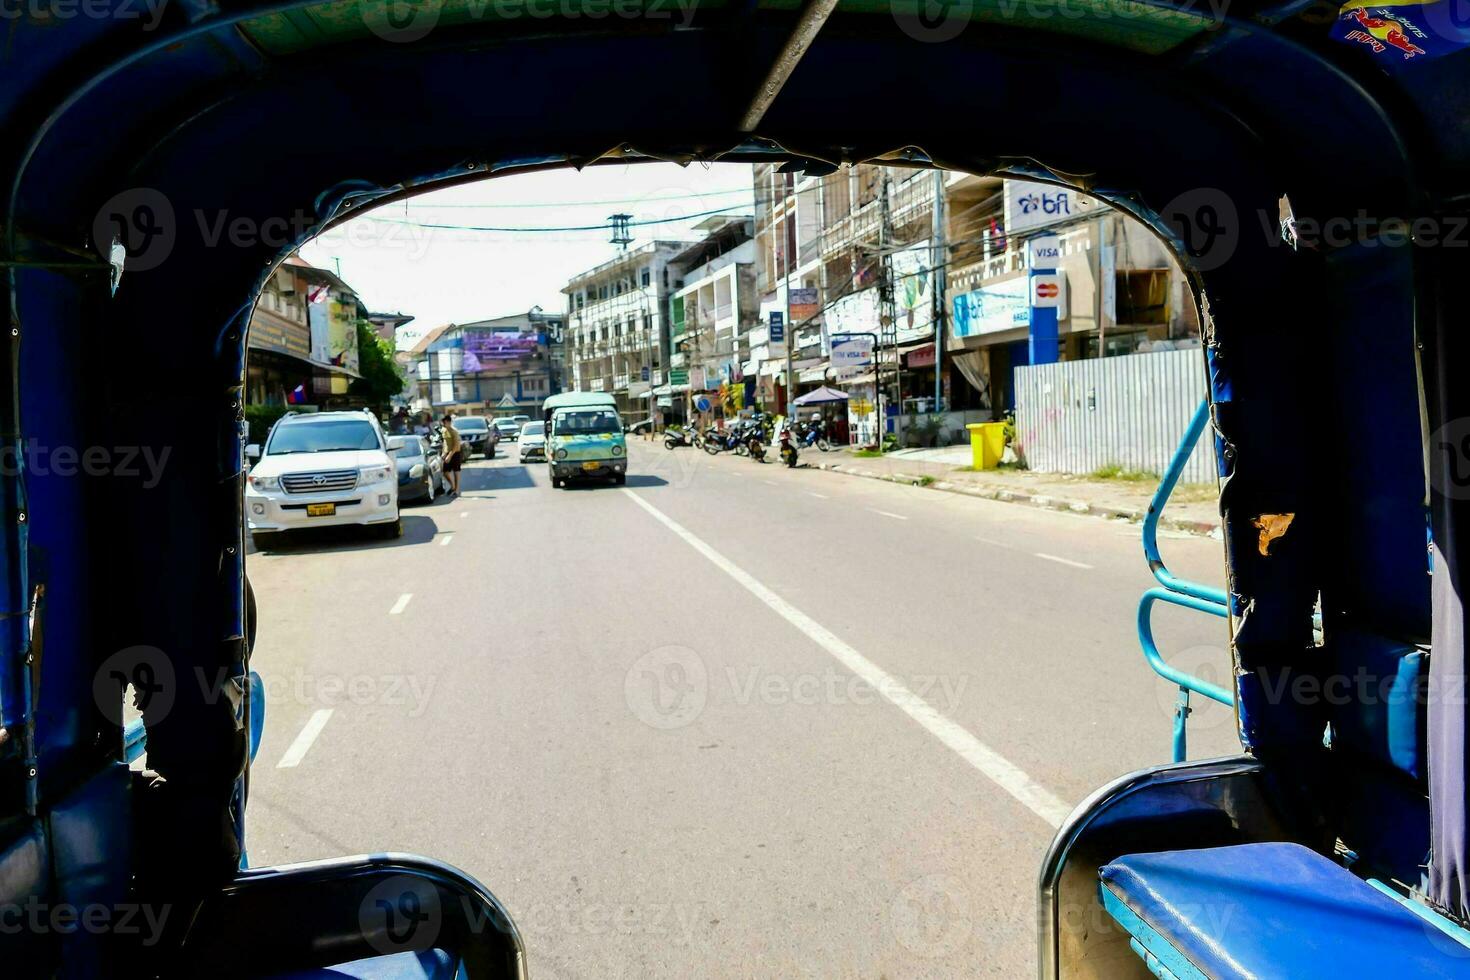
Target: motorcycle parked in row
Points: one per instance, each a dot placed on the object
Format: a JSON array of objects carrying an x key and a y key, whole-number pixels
[
  {"x": 722, "y": 440},
  {"x": 789, "y": 441},
  {"x": 686, "y": 436},
  {"x": 809, "y": 434},
  {"x": 755, "y": 446}
]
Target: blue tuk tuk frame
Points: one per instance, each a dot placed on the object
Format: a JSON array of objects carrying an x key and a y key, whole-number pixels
[{"x": 1315, "y": 350}]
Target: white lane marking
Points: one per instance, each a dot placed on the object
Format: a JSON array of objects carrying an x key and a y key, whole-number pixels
[
  {"x": 770, "y": 483},
  {"x": 992, "y": 542},
  {"x": 1063, "y": 561},
  {"x": 444, "y": 541},
  {"x": 464, "y": 513},
  {"x": 991, "y": 764},
  {"x": 885, "y": 513},
  {"x": 401, "y": 604},
  {"x": 819, "y": 496},
  {"x": 303, "y": 743}
]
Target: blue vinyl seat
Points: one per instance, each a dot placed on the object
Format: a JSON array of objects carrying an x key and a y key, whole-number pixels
[
  {"x": 434, "y": 964},
  {"x": 1269, "y": 910}
]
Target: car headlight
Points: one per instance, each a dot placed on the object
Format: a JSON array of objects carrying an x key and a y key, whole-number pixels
[
  {"x": 376, "y": 474},
  {"x": 617, "y": 450},
  {"x": 417, "y": 471},
  {"x": 561, "y": 454},
  {"x": 265, "y": 483}
]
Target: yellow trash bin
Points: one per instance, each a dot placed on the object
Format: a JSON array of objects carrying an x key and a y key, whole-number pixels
[{"x": 987, "y": 444}]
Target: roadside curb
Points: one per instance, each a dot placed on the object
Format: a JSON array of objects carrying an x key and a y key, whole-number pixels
[{"x": 1043, "y": 501}]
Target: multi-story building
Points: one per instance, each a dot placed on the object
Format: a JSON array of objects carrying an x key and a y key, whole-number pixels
[
  {"x": 1123, "y": 292},
  {"x": 617, "y": 325},
  {"x": 507, "y": 365},
  {"x": 303, "y": 338},
  {"x": 862, "y": 242},
  {"x": 788, "y": 230},
  {"x": 714, "y": 313}
]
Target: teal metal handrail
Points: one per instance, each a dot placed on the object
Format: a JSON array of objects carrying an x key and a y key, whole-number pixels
[
  {"x": 1156, "y": 507},
  {"x": 1178, "y": 591}
]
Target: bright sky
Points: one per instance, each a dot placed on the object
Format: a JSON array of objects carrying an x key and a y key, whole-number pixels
[{"x": 440, "y": 275}]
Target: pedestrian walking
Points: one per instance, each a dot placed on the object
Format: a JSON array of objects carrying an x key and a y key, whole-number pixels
[{"x": 453, "y": 454}]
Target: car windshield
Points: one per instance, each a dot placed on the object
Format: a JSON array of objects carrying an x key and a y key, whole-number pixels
[
  {"x": 533, "y": 429},
  {"x": 470, "y": 425},
  {"x": 322, "y": 436},
  {"x": 506, "y": 423},
  {"x": 587, "y": 422},
  {"x": 407, "y": 448}
]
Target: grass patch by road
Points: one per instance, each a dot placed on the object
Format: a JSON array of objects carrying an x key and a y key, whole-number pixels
[{"x": 1115, "y": 472}]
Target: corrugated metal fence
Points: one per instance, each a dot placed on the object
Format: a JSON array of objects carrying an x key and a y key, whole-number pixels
[{"x": 1130, "y": 411}]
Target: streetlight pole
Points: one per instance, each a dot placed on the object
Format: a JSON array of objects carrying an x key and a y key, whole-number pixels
[{"x": 787, "y": 326}]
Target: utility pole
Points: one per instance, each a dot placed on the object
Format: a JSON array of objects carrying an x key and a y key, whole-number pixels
[
  {"x": 938, "y": 259},
  {"x": 787, "y": 326},
  {"x": 887, "y": 312}
]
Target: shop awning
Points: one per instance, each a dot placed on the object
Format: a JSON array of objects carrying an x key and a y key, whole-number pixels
[
  {"x": 818, "y": 373},
  {"x": 821, "y": 396},
  {"x": 861, "y": 379},
  {"x": 919, "y": 356}
]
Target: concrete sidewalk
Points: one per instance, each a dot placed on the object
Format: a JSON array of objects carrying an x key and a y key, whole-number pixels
[{"x": 1193, "y": 507}]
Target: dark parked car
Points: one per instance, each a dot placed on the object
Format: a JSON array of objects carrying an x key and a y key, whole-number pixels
[
  {"x": 509, "y": 428},
  {"x": 420, "y": 467},
  {"x": 479, "y": 436}
]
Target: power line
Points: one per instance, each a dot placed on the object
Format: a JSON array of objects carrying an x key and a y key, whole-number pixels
[
  {"x": 586, "y": 204},
  {"x": 564, "y": 228}
]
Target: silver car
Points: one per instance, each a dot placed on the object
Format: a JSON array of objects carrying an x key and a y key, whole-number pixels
[{"x": 532, "y": 441}]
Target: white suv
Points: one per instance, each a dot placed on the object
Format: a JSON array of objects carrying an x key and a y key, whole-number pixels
[{"x": 322, "y": 470}]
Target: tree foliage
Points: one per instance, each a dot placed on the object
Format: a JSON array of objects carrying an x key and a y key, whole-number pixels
[{"x": 381, "y": 378}]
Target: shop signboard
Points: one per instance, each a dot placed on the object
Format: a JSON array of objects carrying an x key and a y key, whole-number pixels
[
  {"x": 913, "y": 300},
  {"x": 342, "y": 334},
  {"x": 1032, "y": 205},
  {"x": 851, "y": 355},
  {"x": 994, "y": 307},
  {"x": 485, "y": 350},
  {"x": 804, "y": 303}
]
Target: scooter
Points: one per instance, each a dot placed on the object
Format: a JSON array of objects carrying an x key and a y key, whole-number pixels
[
  {"x": 788, "y": 447},
  {"x": 811, "y": 435},
  {"x": 716, "y": 441},
  {"x": 674, "y": 438},
  {"x": 754, "y": 446}
]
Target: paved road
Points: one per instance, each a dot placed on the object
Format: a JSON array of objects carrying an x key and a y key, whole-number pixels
[{"x": 648, "y": 718}]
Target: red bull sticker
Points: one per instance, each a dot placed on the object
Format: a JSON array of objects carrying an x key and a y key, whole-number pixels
[{"x": 1395, "y": 33}]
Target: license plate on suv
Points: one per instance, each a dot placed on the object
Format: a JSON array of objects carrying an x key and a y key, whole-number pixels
[
  {"x": 591, "y": 466},
  {"x": 321, "y": 510}
]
